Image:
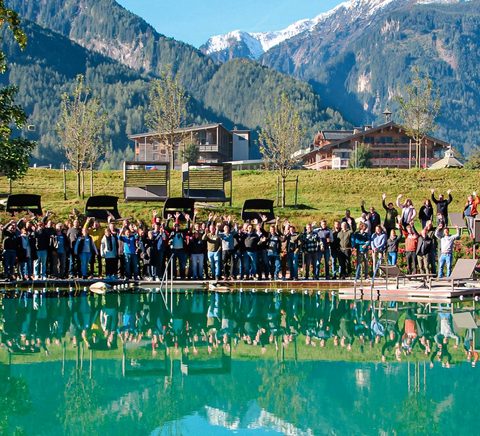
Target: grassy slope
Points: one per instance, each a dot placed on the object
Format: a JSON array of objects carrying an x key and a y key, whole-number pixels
[{"x": 322, "y": 194}]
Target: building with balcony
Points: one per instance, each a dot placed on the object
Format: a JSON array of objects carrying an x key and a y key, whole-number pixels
[
  {"x": 215, "y": 143},
  {"x": 389, "y": 147}
]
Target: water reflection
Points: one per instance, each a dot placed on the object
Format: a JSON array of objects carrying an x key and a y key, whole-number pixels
[
  {"x": 243, "y": 361},
  {"x": 209, "y": 328}
]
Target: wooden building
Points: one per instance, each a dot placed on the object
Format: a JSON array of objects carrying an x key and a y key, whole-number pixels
[
  {"x": 215, "y": 143},
  {"x": 390, "y": 147}
]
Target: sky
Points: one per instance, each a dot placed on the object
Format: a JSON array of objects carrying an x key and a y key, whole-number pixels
[{"x": 194, "y": 21}]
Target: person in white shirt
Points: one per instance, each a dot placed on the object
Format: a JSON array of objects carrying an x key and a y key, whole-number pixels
[{"x": 447, "y": 242}]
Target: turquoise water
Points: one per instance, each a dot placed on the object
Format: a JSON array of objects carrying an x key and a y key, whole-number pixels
[{"x": 87, "y": 366}]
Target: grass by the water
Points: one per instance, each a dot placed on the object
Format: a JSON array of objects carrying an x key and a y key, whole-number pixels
[{"x": 322, "y": 194}]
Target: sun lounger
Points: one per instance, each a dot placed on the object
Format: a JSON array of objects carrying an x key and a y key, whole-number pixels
[{"x": 462, "y": 272}]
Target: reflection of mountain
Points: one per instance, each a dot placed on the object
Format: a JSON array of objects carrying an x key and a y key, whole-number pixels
[{"x": 327, "y": 399}]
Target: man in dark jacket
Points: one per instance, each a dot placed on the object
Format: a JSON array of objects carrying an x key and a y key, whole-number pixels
[
  {"x": 442, "y": 206},
  {"x": 391, "y": 215}
]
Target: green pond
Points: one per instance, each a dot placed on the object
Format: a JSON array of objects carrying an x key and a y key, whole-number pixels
[{"x": 243, "y": 363}]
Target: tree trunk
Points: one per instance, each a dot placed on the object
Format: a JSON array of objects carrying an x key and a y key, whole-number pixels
[
  {"x": 79, "y": 191},
  {"x": 283, "y": 192},
  {"x": 91, "y": 180}
]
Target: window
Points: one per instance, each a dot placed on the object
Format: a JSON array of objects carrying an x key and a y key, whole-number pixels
[{"x": 155, "y": 156}]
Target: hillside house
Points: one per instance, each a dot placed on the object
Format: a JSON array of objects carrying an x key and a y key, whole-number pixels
[
  {"x": 215, "y": 143},
  {"x": 390, "y": 147}
]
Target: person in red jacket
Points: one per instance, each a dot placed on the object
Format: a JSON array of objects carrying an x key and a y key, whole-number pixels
[{"x": 411, "y": 242}]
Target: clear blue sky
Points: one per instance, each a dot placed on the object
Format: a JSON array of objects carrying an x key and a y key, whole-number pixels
[{"x": 194, "y": 21}]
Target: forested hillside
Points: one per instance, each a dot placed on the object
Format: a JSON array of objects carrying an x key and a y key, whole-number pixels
[{"x": 237, "y": 93}]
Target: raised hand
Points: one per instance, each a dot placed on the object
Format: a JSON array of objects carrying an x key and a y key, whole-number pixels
[{"x": 384, "y": 196}]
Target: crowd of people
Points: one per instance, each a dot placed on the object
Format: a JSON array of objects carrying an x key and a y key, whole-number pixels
[
  {"x": 35, "y": 323},
  {"x": 221, "y": 247}
]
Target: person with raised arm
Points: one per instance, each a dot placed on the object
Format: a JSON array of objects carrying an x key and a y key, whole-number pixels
[{"x": 442, "y": 206}]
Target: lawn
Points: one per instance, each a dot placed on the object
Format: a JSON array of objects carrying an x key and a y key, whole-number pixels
[{"x": 323, "y": 194}]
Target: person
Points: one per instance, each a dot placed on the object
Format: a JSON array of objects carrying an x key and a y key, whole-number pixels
[
  {"x": 325, "y": 237},
  {"x": 228, "y": 250},
  {"x": 178, "y": 243},
  {"x": 411, "y": 243},
  {"x": 361, "y": 242},
  {"x": 447, "y": 242},
  {"x": 109, "y": 252},
  {"x": 214, "y": 251},
  {"x": 274, "y": 246},
  {"x": 426, "y": 212},
  {"x": 372, "y": 216},
  {"x": 197, "y": 248},
  {"x": 10, "y": 243},
  {"x": 408, "y": 213},
  {"x": 470, "y": 212},
  {"x": 442, "y": 206},
  {"x": 251, "y": 241},
  {"x": 424, "y": 248},
  {"x": 129, "y": 239},
  {"x": 42, "y": 242},
  {"x": 96, "y": 233},
  {"x": 345, "y": 250},
  {"x": 59, "y": 244},
  {"x": 352, "y": 225},
  {"x": 391, "y": 216},
  {"x": 392, "y": 247},
  {"x": 73, "y": 234},
  {"x": 159, "y": 251},
  {"x": 84, "y": 247},
  {"x": 293, "y": 244},
  {"x": 378, "y": 243},
  {"x": 335, "y": 250},
  {"x": 26, "y": 253},
  {"x": 310, "y": 249}
]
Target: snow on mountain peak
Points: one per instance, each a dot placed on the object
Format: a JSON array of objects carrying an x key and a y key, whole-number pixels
[{"x": 258, "y": 43}]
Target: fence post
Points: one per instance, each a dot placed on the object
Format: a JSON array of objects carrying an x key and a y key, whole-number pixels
[
  {"x": 296, "y": 191},
  {"x": 9, "y": 186},
  {"x": 83, "y": 183},
  {"x": 64, "y": 182},
  {"x": 91, "y": 180}
]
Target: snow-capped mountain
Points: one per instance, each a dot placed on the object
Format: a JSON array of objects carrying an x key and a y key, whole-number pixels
[{"x": 242, "y": 44}]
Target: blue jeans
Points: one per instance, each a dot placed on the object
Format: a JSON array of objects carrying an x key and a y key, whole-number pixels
[
  {"x": 445, "y": 260},
  {"x": 26, "y": 268},
  {"x": 40, "y": 264},
  {"x": 196, "y": 266},
  {"x": 250, "y": 263},
  {"x": 214, "y": 260},
  {"x": 274, "y": 265},
  {"x": 292, "y": 260},
  {"x": 362, "y": 260},
  {"x": 131, "y": 265},
  {"x": 84, "y": 263},
  {"x": 392, "y": 258}
]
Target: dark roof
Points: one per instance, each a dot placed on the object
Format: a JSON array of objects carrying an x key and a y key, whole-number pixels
[
  {"x": 182, "y": 130},
  {"x": 361, "y": 133},
  {"x": 334, "y": 135}
]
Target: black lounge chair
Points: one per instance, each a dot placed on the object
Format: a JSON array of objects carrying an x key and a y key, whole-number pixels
[
  {"x": 179, "y": 204},
  {"x": 100, "y": 206},
  {"x": 24, "y": 203},
  {"x": 255, "y": 208}
]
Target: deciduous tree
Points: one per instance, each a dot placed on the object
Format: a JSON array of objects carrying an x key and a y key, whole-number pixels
[
  {"x": 419, "y": 108},
  {"x": 80, "y": 128},
  {"x": 167, "y": 111},
  {"x": 280, "y": 138}
]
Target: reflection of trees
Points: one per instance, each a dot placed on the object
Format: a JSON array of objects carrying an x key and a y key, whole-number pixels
[
  {"x": 14, "y": 399},
  {"x": 279, "y": 393},
  {"x": 80, "y": 412},
  {"x": 417, "y": 415}
]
